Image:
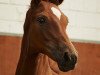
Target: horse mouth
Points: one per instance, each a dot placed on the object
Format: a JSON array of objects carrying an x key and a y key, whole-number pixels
[{"x": 65, "y": 68}]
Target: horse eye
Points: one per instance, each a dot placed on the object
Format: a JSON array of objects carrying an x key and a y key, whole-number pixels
[{"x": 42, "y": 20}]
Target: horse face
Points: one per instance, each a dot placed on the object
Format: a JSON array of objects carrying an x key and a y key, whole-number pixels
[{"x": 47, "y": 35}]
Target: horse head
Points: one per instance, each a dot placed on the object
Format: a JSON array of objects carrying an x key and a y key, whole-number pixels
[{"x": 46, "y": 31}]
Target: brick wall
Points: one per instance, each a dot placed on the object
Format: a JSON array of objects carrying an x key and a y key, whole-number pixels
[
  {"x": 88, "y": 61},
  {"x": 84, "y": 17}
]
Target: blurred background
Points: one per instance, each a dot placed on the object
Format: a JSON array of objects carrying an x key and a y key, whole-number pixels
[{"x": 83, "y": 30}]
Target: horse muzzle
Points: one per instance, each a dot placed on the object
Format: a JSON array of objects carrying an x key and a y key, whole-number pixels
[
  {"x": 67, "y": 62},
  {"x": 65, "y": 57}
]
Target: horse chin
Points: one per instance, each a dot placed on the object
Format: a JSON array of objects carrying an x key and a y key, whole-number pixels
[{"x": 65, "y": 67}]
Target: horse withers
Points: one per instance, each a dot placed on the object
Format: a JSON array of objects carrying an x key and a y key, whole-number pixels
[{"x": 45, "y": 38}]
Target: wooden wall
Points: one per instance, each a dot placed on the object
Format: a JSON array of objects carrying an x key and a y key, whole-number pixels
[{"x": 88, "y": 62}]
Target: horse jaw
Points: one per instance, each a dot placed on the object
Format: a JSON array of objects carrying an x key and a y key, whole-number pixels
[{"x": 46, "y": 66}]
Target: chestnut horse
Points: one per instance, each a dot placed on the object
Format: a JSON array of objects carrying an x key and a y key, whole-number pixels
[{"x": 46, "y": 48}]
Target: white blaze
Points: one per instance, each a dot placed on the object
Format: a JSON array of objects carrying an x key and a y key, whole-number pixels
[{"x": 56, "y": 12}]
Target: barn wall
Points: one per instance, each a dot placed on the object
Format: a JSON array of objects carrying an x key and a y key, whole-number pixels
[
  {"x": 88, "y": 61},
  {"x": 84, "y": 18}
]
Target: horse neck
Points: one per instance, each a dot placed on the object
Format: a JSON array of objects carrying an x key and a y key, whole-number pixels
[
  {"x": 27, "y": 64},
  {"x": 37, "y": 65}
]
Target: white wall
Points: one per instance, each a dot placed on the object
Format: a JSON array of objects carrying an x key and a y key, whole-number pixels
[{"x": 84, "y": 18}]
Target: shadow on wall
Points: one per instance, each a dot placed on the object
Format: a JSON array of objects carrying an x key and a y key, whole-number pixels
[{"x": 88, "y": 63}]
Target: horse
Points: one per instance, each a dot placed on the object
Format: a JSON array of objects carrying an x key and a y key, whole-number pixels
[{"x": 46, "y": 48}]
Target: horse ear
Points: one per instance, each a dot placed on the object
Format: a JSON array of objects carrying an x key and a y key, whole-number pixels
[
  {"x": 34, "y": 3},
  {"x": 57, "y": 2}
]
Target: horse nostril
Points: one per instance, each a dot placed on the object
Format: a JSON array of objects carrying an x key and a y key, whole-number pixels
[{"x": 67, "y": 57}]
